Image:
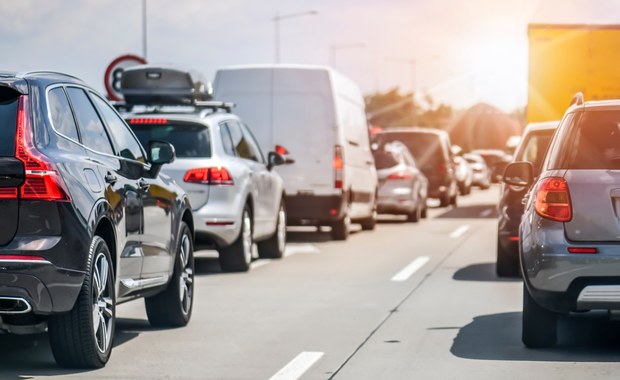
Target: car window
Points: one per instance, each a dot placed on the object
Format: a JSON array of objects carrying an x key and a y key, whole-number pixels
[
  {"x": 385, "y": 159},
  {"x": 425, "y": 147},
  {"x": 253, "y": 143},
  {"x": 189, "y": 139},
  {"x": 60, "y": 112},
  {"x": 242, "y": 146},
  {"x": 534, "y": 149},
  {"x": 227, "y": 144},
  {"x": 595, "y": 142},
  {"x": 557, "y": 152},
  {"x": 91, "y": 128},
  {"x": 125, "y": 142},
  {"x": 8, "y": 122}
]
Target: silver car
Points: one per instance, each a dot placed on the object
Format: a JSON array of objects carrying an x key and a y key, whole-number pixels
[
  {"x": 570, "y": 230},
  {"x": 481, "y": 176},
  {"x": 403, "y": 188},
  {"x": 235, "y": 195}
]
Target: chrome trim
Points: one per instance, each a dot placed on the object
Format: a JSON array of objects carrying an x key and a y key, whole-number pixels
[
  {"x": 17, "y": 301},
  {"x": 25, "y": 261},
  {"x": 592, "y": 295},
  {"x": 146, "y": 282}
]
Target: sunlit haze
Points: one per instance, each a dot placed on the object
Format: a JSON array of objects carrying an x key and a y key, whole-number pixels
[{"x": 464, "y": 52}]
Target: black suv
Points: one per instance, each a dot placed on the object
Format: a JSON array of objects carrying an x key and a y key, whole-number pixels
[{"x": 87, "y": 222}]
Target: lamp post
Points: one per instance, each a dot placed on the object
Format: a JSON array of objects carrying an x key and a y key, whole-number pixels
[
  {"x": 334, "y": 48},
  {"x": 144, "y": 29},
  {"x": 276, "y": 21}
]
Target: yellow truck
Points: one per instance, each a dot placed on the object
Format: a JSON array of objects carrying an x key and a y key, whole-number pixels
[{"x": 565, "y": 59}]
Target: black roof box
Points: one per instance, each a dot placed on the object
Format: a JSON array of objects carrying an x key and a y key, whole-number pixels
[{"x": 158, "y": 85}]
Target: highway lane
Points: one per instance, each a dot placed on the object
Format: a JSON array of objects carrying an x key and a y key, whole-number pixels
[{"x": 406, "y": 301}]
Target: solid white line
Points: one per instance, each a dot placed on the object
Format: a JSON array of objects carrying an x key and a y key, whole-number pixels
[
  {"x": 459, "y": 231},
  {"x": 410, "y": 269},
  {"x": 298, "y": 366},
  {"x": 293, "y": 249}
]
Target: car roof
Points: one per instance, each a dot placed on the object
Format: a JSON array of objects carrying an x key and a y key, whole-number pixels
[
  {"x": 541, "y": 126},
  {"x": 414, "y": 130},
  {"x": 594, "y": 105},
  {"x": 193, "y": 116}
]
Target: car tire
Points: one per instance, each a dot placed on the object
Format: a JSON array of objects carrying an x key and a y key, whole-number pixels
[
  {"x": 238, "y": 256},
  {"x": 82, "y": 337},
  {"x": 173, "y": 307},
  {"x": 506, "y": 265},
  {"x": 273, "y": 248},
  {"x": 453, "y": 200},
  {"x": 539, "y": 324},
  {"x": 342, "y": 227},
  {"x": 444, "y": 200},
  {"x": 415, "y": 215},
  {"x": 424, "y": 213},
  {"x": 370, "y": 223}
]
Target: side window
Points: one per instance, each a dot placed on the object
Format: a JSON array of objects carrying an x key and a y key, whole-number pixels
[
  {"x": 127, "y": 145},
  {"x": 256, "y": 152},
  {"x": 240, "y": 143},
  {"x": 91, "y": 128},
  {"x": 558, "y": 153},
  {"x": 60, "y": 112},
  {"x": 226, "y": 140}
]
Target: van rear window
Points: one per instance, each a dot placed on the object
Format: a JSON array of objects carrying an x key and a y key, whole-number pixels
[
  {"x": 425, "y": 147},
  {"x": 8, "y": 122},
  {"x": 190, "y": 140}
]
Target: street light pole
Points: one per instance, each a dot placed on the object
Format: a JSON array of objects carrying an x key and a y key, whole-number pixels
[
  {"x": 144, "y": 29},
  {"x": 334, "y": 48},
  {"x": 276, "y": 21}
]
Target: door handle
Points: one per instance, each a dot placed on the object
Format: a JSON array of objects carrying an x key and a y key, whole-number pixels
[
  {"x": 110, "y": 178},
  {"x": 143, "y": 184}
]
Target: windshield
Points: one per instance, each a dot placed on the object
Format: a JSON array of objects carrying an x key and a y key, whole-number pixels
[
  {"x": 384, "y": 160},
  {"x": 425, "y": 147}
]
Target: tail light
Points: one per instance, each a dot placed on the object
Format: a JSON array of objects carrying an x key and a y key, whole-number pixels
[
  {"x": 42, "y": 180},
  {"x": 443, "y": 168},
  {"x": 400, "y": 175},
  {"x": 338, "y": 166},
  {"x": 209, "y": 176},
  {"x": 553, "y": 199}
]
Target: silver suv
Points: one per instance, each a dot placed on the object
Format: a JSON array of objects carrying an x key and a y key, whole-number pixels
[
  {"x": 236, "y": 197},
  {"x": 570, "y": 231}
]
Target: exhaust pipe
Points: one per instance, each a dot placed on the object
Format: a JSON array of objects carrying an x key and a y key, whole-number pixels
[{"x": 14, "y": 305}]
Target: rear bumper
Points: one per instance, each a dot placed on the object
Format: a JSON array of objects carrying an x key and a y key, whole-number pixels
[
  {"x": 45, "y": 287},
  {"x": 556, "y": 278},
  {"x": 314, "y": 209},
  {"x": 218, "y": 223}
]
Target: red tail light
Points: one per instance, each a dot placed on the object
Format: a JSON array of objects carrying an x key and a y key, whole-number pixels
[
  {"x": 148, "y": 121},
  {"x": 442, "y": 168},
  {"x": 553, "y": 199},
  {"x": 590, "y": 250},
  {"x": 42, "y": 180},
  {"x": 209, "y": 176},
  {"x": 400, "y": 175},
  {"x": 338, "y": 165}
]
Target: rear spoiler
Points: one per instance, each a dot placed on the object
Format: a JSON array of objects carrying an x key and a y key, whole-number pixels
[{"x": 18, "y": 85}]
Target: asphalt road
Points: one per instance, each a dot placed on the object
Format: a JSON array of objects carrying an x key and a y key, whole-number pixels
[{"x": 407, "y": 301}]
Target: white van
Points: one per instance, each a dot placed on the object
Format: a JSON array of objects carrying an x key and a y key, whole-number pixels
[{"x": 318, "y": 116}]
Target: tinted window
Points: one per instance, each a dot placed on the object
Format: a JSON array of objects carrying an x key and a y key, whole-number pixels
[
  {"x": 594, "y": 142},
  {"x": 189, "y": 139},
  {"x": 226, "y": 140},
  {"x": 243, "y": 148},
  {"x": 91, "y": 128},
  {"x": 8, "y": 122},
  {"x": 126, "y": 143},
  {"x": 556, "y": 151},
  {"x": 425, "y": 147},
  {"x": 384, "y": 160},
  {"x": 62, "y": 117}
]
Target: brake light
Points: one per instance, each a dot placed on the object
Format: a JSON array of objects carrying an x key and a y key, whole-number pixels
[
  {"x": 338, "y": 166},
  {"x": 148, "y": 121},
  {"x": 553, "y": 199},
  {"x": 42, "y": 180},
  {"x": 400, "y": 175},
  {"x": 209, "y": 176},
  {"x": 281, "y": 150},
  {"x": 582, "y": 250}
]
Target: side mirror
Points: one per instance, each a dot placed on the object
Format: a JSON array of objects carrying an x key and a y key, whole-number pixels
[
  {"x": 161, "y": 152},
  {"x": 275, "y": 159},
  {"x": 520, "y": 174}
]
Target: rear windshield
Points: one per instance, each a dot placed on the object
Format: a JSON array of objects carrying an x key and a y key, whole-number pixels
[
  {"x": 425, "y": 147},
  {"x": 384, "y": 160},
  {"x": 8, "y": 122},
  {"x": 189, "y": 139},
  {"x": 594, "y": 142}
]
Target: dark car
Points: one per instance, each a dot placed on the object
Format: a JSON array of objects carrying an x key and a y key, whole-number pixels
[
  {"x": 570, "y": 230},
  {"x": 432, "y": 151},
  {"x": 532, "y": 148},
  {"x": 87, "y": 222}
]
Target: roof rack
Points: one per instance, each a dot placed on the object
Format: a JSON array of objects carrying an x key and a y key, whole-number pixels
[
  {"x": 577, "y": 99},
  {"x": 199, "y": 105}
]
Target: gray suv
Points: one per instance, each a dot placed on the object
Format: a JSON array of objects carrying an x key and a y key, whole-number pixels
[{"x": 570, "y": 231}]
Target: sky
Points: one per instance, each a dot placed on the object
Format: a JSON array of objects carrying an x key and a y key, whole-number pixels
[{"x": 465, "y": 52}]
